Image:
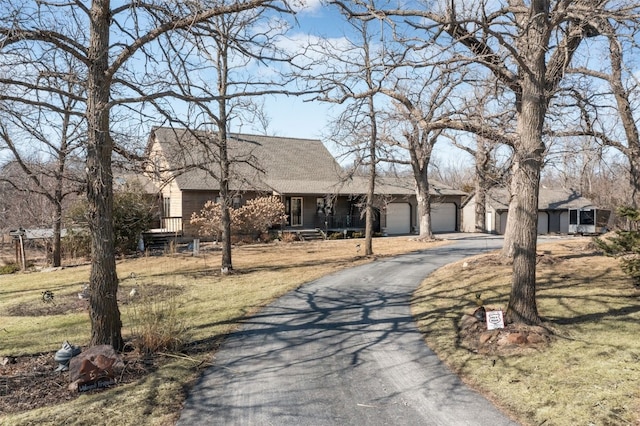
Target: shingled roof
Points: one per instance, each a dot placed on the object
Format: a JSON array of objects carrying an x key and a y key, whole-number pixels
[
  {"x": 268, "y": 163},
  {"x": 548, "y": 199}
]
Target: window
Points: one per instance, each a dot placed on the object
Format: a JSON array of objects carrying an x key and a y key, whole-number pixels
[
  {"x": 166, "y": 207},
  {"x": 296, "y": 211},
  {"x": 320, "y": 205},
  {"x": 573, "y": 217},
  {"x": 236, "y": 202},
  {"x": 587, "y": 217}
]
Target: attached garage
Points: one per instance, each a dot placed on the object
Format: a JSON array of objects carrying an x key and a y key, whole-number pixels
[
  {"x": 398, "y": 218},
  {"x": 443, "y": 217}
]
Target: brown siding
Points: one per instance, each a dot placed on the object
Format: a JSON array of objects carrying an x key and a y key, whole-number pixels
[{"x": 194, "y": 201}]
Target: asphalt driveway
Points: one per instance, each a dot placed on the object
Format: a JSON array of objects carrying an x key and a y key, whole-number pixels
[{"x": 342, "y": 350}]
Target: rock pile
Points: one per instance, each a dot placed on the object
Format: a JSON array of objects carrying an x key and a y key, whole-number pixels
[{"x": 510, "y": 340}]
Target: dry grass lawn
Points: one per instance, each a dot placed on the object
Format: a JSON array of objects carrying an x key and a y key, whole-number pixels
[
  {"x": 208, "y": 306},
  {"x": 590, "y": 373}
]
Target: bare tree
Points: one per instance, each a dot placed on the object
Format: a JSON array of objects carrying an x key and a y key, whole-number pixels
[
  {"x": 106, "y": 40},
  {"x": 44, "y": 132},
  {"x": 421, "y": 104},
  {"x": 223, "y": 89},
  {"x": 610, "y": 115},
  {"x": 489, "y": 170},
  {"x": 527, "y": 46},
  {"x": 351, "y": 72}
]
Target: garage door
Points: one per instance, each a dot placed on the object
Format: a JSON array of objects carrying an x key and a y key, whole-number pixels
[
  {"x": 503, "y": 222},
  {"x": 398, "y": 218},
  {"x": 564, "y": 222},
  {"x": 543, "y": 223},
  {"x": 443, "y": 217}
]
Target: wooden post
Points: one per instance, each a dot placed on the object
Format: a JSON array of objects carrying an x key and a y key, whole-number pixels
[{"x": 22, "y": 254}]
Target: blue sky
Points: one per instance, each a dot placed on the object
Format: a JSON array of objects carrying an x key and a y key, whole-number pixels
[{"x": 292, "y": 116}]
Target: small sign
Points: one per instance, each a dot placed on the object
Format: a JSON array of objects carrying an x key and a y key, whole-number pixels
[
  {"x": 494, "y": 320},
  {"x": 102, "y": 382}
]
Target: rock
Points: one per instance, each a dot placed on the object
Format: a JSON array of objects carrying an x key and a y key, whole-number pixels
[
  {"x": 487, "y": 336},
  {"x": 535, "y": 338},
  {"x": 480, "y": 314},
  {"x": 516, "y": 338},
  {"x": 96, "y": 360},
  {"x": 467, "y": 321},
  {"x": 7, "y": 360}
]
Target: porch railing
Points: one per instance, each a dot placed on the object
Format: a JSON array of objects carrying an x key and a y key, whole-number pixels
[
  {"x": 171, "y": 224},
  {"x": 340, "y": 221}
]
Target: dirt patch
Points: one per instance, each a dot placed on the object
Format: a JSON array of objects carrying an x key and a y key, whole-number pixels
[
  {"x": 510, "y": 340},
  {"x": 61, "y": 304},
  {"x": 30, "y": 382}
]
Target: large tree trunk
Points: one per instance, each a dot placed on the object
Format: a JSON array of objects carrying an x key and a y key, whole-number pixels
[
  {"x": 420, "y": 153},
  {"x": 225, "y": 197},
  {"x": 482, "y": 161},
  {"x": 522, "y": 306},
  {"x": 531, "y": 104},
  {"x": 370, "y": 213},
  {"x": 373, "y": 143},
  {"x": 56, "y": 256},
  {"x": 103, "y": 305},
  {"x": 225, "y": 194},
  {"x": 424, "y": 207},
  {"x": 634, "y": 177},
  {"x": 481, "y": 208}
]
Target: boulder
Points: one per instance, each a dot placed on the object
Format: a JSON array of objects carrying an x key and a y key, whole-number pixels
[
  {"x": 468, "y": 321},
  {"x": 534, "y": 338},
  {"x": 516, "y": 338},
  {"x": 101, "y": 361},
  {"x": 487, "y": 336}
]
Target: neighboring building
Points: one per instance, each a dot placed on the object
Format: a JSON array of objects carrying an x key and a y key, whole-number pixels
[
  {"x": 301, "y": 171},
  {"x": 553, "y": 210}
]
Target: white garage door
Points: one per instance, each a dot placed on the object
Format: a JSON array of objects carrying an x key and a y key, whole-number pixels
[
  {"x": 443, "y": 217},
  {"x": 398, "y": 218}
]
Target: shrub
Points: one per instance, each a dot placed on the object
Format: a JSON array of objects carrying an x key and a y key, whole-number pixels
[
  {"x": 10, "y": 268},
  {"x": 132, "y": 215},
  {"x": 155, "y": 323},
  {"x": 76, "y": 243},
  {"x": 625, "y": 244},
  {"x": 252, "y": 219},
  {"x": 288, "y": 237}
]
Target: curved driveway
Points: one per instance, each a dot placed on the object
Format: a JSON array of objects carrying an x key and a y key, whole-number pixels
[{"x": 342, "y": 350}]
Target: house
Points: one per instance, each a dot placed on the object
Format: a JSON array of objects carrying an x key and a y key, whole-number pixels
[
  {"x": 554, "y": 207},
  {"x": 302, "y": 172}
]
